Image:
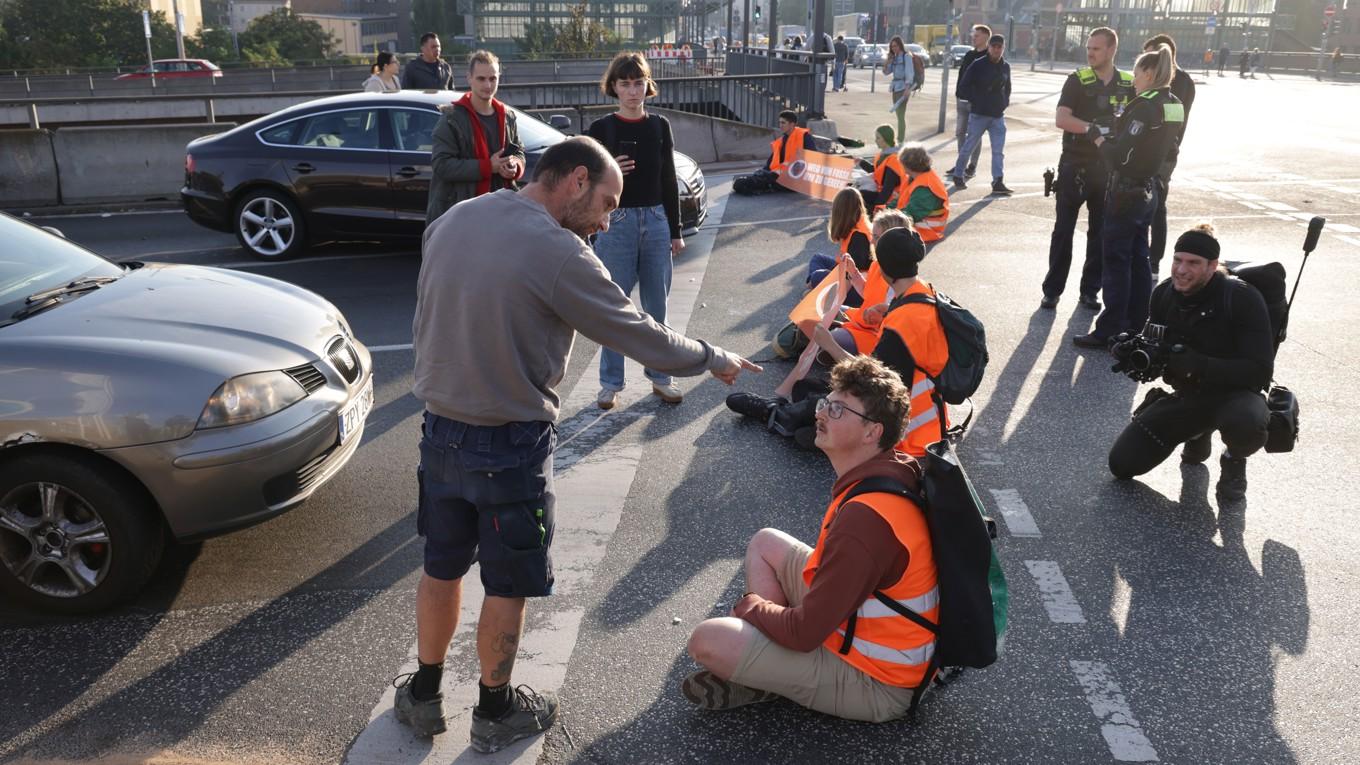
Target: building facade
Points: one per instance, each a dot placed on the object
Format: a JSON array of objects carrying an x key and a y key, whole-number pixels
[
  {"x": 358, "y": 34},
  {"x": 192, "y": 11},
  {"x": 241, "y": 12}
]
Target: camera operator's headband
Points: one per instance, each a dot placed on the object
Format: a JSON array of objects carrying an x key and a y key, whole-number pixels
[{"x": 1197, "y": 242}]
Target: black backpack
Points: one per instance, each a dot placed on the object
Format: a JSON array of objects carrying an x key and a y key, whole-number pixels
[
  {"x": 967, "y": 340},
  {"x": 973, "y": 595},
  {"x": 1269, "y": 280}
]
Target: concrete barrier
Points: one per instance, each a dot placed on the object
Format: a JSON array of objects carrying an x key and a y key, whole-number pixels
[
  {"x": 120, "y": 164},
  {"x": 28, "y": 169},
  {"x": 706, "y": 139}
]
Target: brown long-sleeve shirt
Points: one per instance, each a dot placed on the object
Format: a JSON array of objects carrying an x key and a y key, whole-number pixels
[{"x": 861, "y": 555}]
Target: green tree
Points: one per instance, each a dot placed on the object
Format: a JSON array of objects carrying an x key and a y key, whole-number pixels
[
  {"x": 90, "y": 33},
  {"x": 579, "y": 34},
  {"x": 293, "y": 37},
  {"x": 212, "y": 44}
]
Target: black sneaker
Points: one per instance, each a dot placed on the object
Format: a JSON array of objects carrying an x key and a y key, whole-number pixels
[
  {"x": 806, "y": 438},
  {"x": 999, "y": 189},
  {"x": 1089, "y": 301},
  {"x": 958, "y": 181},
  {"x": 1049, "y": 302},
  {"x": 970, "y": 172},
  {"x": 1197, "y": 449},
  {"x": 751, "y": 405},
  {"x": 530, "y": 714},
  {"x": 426, "y": 717},
  {"x": 708, "y": 691},
  {"x": 1091, "y": 340},
  {"x": 1232, "y": 480}
]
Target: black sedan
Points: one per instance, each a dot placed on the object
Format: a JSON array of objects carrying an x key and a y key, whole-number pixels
[{"x": 349, "y": 167}]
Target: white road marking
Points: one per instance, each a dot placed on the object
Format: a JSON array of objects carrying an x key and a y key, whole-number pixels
[
  {"x": 1281, "y": 206},
  {"x": 63, "y": 216},
  {"x": 1123, "y": 735},
  {"x": 1247, "y": 195},
  {"x": 1344, "y": 228},
  {"x": 591, "y": 493},
  {"x": 1304, "y": 216},
  {"x": 1019, "y": 521},
  {"x": 1056, "y": 594},
  {"x": 1282, "y": 216},
  {"x": 1349, "y": 240},
  {"x": 1249, "y": 205}
]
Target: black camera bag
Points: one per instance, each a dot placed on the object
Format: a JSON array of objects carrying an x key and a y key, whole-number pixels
[{"x": 1283, "y": 427}]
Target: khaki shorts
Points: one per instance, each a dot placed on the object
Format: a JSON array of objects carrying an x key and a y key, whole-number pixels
[{"x": 820, "y": 679}]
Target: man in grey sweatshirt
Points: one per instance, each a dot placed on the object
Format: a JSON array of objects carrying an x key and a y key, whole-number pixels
[{"x": 506, "y": 282}]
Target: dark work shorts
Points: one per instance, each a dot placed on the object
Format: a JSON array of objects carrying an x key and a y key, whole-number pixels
[{"x": 486, "y": 495}]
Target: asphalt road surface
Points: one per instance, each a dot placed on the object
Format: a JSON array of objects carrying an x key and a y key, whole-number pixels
[{"x": 1147, "y": 621}]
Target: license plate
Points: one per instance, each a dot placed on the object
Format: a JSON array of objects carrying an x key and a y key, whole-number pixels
[{"x": 352, "y": 417}]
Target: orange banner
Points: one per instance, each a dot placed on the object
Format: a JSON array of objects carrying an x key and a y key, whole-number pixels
[
  {"x": 818, "y": 175},
  {"x": 820, "y": 303}
]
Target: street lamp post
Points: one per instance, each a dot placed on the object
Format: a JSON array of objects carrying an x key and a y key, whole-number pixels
[
  {"x": 946, "y": 63},
  {"x": 179, "y": 28}
]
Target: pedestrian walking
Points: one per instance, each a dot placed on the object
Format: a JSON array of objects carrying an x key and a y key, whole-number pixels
[
  {"x": 899, "y": 65},
  {"x": 1336, "y": 63},
  {"x": 506, "y": 280},
  {"x": 644, "y": 232},
  {"x": 384, "y": 80},
  {"x": 842, "y": 58},
  {"x": 987, "y": 86},
  {"x": 428, "y": 71},
  {"x": 1242, "y": 62},
  {"x": 1143, "y": 135},
  {"x": 1208, "y": 61},
  {"x": 1223, "y": 54},
  {"x": 1183, "y": 88},
  {"x": 476, "y": 145},
  {"x": 981, "y": 34},
  {"x": 1256, "y": 59}
]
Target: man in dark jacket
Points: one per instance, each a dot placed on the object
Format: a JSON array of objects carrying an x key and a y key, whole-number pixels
[
  {"x": 981, "y": 34},
  {"x": 469, "y": 154},
  {"x": 429, "y": 72},
  {"x": 987, "y": 86}
]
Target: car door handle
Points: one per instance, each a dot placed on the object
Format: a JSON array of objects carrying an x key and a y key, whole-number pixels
[
  {"x": 408, "y": 172},
  {"x": 303, "y": 167}
]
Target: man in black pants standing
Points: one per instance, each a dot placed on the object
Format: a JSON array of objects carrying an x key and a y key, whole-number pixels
[
  {"x": 1182, "y": 87},
  {"x": 1227, "y": 360},
  {"x": 1091, "y": 95}
]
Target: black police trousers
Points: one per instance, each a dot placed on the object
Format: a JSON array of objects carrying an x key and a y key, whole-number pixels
[
  {"x": 1159, "y": 426},
  {"x": 1076, "y": 185},
  {"x": 1157, "y": 248}
]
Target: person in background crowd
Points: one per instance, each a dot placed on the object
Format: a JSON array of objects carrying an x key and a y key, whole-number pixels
[
  {"x": 899, "y": 65},
  {"x": 1256, "y": 59},
  {"x": 987, "y": 85},
  {"x": 1223, "y": 54},
  {"x": 384, "y": 79},
  {"x": 842, "y": 58},
  {"x": 644, "y": 232},
  {"x": 428, "y": 71},
  {"x": 981, "y": 34}
]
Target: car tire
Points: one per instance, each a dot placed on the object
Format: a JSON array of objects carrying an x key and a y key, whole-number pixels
[
  {"x": 97, "y": 534},
  {"x": 269, "y": 225}
]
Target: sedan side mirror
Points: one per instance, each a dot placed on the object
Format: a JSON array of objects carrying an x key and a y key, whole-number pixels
[{"x": 560, "y": 122}]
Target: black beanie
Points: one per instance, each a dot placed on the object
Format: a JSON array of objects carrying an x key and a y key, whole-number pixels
[
  {"x": 899, "y": 252},
  {"x": 1199, "y": 243}
]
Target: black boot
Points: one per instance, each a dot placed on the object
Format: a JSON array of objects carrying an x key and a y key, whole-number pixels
[
  {"x": 999, "y": 188},
  {"x": 1197, "y": 449},
  {"x": 1232, "y": 479}
]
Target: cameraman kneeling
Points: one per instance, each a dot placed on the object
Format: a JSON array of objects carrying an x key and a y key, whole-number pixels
[{"x": 1224, "y": 363}]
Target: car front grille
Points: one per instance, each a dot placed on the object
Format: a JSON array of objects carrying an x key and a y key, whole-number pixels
[
  {"x": 308, "y": 376},
  {"x": 283, "y": 487},
  {"x": 344, "y": 358}
]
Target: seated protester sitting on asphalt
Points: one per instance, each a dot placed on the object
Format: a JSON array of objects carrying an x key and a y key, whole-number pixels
[
  {"x": 887, "y": 171},
  {"x": 792, "y": 634},
  {"x": 910, "y": 334},
  {"x": 783, "y": 151},
  {"x": 922, "y": 196},
  {"x": 848, "y": 227},
  {"x": 859, "y": 333}
]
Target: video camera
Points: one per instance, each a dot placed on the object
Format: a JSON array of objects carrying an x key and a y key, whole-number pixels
[{"x": 1143, "y": 357}]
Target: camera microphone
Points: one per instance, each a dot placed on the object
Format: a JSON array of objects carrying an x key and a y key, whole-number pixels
[{"x": 1314, "y": 233}]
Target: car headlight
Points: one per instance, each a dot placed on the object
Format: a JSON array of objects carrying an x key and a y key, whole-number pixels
[{"x": 250, "y": 397}]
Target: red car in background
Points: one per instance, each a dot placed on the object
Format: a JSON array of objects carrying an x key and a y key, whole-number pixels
[{"x": 175, "y": 67}]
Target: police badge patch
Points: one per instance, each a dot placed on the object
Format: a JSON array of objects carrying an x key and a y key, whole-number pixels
[{"x": 1135, "y": 127}]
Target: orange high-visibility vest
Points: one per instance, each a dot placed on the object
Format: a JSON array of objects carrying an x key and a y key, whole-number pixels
[
  {"x": 885, "y": 645},
  {"x": 876, "y": 291},
  {"x": 885, "y": 163},
  {"x": 791, "y": 149},
  {"x": 861, "y": 227},
  {"x": 917, "y": 327},
  {"x": 931, "y": 228}
]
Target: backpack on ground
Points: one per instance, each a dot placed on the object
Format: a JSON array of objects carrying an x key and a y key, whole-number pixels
[
  {"x": 789, "y": 342},
  {"x": 967, "y": 341},
  {"x": 974, "y": 600}
]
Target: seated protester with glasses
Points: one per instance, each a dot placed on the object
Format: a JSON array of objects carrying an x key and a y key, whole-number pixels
[
  {"x": 783, "y": 151},
  {"x": 910, "y": 335},
  {"x": 811, "y": 628},
  {"x": 1213, "y": 334},
  {"x": 922, "y": 195}
]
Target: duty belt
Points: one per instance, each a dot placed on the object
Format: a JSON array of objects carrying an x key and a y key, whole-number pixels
[{"x": 1124, "y": 183}]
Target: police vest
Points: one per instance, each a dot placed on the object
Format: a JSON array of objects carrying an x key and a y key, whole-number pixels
[
  {"x": 792, "y": 146},
  {"x": 1099, "y": 103},
  {"x": 911, "y": 337},
  {"x": 1144, "y": 135},
  {"x": 882, "y": 643},
  {"x": 931, "y": 227}
]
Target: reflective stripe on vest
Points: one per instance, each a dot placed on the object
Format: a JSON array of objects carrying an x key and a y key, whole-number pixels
[
  {"x": 792, "y": 146},
  {"x": 873, "y": 608},
  {"x": 924, "y": 418},
  {"x": 1173, "y": 112},
  {"x": 931, "y": 228},
  {"x": 923, "y": 427},
  {"x": 923, "y": 385},
  {"x": 908, "y": 658}
]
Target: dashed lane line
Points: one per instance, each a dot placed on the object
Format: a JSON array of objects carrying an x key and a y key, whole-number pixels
[
  {"x": 1019, "y": 520},
  {"x": 1056, "y": 594},
  {"x": 1123, "y": 735}
]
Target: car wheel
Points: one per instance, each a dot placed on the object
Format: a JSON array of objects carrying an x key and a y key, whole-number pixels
[
  {"x": 75, "y": 537},
  {"x": 269, "y": 225}
]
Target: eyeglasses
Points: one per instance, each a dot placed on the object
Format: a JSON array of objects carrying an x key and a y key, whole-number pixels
[{"x": 834, "y": 410}]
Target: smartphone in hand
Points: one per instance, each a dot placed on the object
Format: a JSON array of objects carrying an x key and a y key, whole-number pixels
[
  {"x": 511, "y": 148},
  {"x": 627, "y": 149}
]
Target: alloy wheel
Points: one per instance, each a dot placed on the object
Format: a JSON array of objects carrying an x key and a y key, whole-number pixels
[
  {"x": 52, "y": 541},
  {"x": 267, "y": 226}
]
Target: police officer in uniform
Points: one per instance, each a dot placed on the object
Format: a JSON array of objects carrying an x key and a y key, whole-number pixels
[
  {"x": 1135, "y": 151},
  {"x": 1093, "y": 94},
  {"x": 1182, "y": 87}
]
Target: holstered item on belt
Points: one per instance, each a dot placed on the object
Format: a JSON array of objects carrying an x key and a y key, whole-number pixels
[
  {"x": 1124, "y": 183},
  {"x": 1282, "y": 429}
]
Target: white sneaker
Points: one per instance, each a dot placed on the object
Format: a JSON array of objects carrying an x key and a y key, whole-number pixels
[
  {"x": 670, "y": 393},
  {"x": 605, "y": 400}
]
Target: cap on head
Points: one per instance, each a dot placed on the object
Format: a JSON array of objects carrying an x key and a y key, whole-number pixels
[
  {"x": 1198, "y": 242},
  {"x": 997, "y": 40},
  {"x": 900, "y": 252}
]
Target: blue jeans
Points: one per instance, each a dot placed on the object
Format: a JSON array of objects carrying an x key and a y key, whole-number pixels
[
  {"x": 995, "y": 128},
  {"x": 819, "y": 266},
  {"x": 1126, "y": 275},
  {"x": 637, "y": 251},
  {"x": 838, "y": 75},
  {"x": 963, "y": 109}
]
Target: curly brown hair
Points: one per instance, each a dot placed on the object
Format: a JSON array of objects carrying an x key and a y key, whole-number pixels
[{"x": 880, "y": 391}]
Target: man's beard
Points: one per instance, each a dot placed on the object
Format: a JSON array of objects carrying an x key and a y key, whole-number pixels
[{"x": 577, "y": 218}]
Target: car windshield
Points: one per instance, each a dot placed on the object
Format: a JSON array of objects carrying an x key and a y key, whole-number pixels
[
  {"x": 535, "y": 134},
  {"x": 33, "y": 260}
]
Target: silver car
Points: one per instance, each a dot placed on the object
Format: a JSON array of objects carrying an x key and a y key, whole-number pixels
[{"x": 140, "y": 402}]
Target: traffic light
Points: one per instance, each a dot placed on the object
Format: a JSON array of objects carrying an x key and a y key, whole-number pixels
[{"x": 757, "y": 13}]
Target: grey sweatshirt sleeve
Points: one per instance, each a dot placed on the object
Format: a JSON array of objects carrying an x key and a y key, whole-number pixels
[{"x": 585, "y": 298}]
